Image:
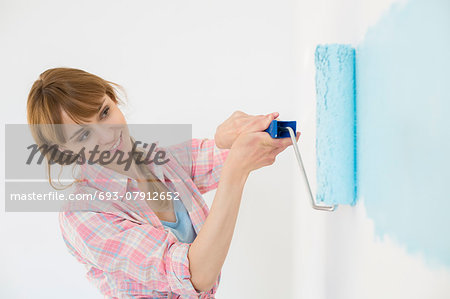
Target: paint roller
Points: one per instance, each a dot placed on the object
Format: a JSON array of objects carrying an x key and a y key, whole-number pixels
[{"x": 335, "y": 128}]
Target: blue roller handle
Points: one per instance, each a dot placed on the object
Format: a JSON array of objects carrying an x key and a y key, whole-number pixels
[{"x": 275, "y": 129}]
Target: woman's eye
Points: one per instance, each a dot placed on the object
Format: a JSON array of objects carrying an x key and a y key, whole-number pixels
[
  {"x": 104, "y": 113},
  {"x": 83, "y": 136}
]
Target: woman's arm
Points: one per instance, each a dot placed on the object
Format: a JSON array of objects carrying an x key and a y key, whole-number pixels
[
  {"x": 209, "y": 249},
  {"x": 249, "y": 151}
]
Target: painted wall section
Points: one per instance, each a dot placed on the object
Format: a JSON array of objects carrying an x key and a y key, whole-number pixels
[{"x": 403, "y": 128}]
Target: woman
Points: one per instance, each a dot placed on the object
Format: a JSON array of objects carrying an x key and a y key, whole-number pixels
[{"x": 146, "y": 248}]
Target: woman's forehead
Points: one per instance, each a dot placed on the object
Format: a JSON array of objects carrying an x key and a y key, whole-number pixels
[
  {"x": 66, "y": 119},
  {"x": 70, "y": 127}
]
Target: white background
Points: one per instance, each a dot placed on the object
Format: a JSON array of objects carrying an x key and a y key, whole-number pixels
[{"x": 197, "y": 62}]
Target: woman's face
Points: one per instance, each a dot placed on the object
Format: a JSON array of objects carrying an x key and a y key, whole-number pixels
[{"x": 107, "y": 131}]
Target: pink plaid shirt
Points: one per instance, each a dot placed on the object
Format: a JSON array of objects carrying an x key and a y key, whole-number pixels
[{"x": 126, "y": 250}]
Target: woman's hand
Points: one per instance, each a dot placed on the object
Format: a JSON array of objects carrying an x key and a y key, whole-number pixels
[
  {"x": 250, "y": 150},
  {"x": 254, "y": 150},
  {"x": 238, "y": 123}
]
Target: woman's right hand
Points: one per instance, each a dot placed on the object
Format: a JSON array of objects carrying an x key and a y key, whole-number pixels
[{"x": 254, "y": 150}]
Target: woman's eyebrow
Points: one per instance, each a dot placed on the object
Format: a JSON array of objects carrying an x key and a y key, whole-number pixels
[{"x": 100, "y": 107}]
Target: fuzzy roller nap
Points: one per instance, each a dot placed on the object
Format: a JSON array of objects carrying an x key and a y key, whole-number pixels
[{"x": 335, "y": 124}]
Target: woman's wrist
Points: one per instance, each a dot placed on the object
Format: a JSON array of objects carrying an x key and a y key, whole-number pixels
[{"x": 235, "y": 166}]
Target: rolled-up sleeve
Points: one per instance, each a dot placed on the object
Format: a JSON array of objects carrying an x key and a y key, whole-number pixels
[
  {"x": 177, "y": 267},
  {"x": 202, "y": 160},
  {"x": 128, "y": 250},
  {"x": 207, "y": 163}
]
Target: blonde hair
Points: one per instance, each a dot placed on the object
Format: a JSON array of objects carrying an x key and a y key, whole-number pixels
[{"x": 79, "y": 94}]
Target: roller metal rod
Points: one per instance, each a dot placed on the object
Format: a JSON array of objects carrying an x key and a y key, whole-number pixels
[{"x": 305, "y": 178}]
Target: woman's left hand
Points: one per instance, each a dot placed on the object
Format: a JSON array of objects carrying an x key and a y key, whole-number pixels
[{"x": 240, "y": 122}]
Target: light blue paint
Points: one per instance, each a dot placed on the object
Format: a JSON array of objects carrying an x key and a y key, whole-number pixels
[
  {"x": 403, "y": 125},
  {"x": 335, "y": 122}
]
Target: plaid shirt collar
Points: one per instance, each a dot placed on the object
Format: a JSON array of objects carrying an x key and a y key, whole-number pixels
[{"x": 104, "y": 178}]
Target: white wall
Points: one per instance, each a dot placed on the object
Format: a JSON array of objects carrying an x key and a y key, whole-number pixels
[
  {"x": 196, "y": 62},
  {"x": 180, "y": 62}
]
